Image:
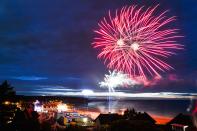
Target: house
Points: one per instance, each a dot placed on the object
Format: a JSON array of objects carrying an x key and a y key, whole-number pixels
[
  {"x": 133, "y": 120},
  {"x": 104, "y": 120},
  {"x": 182, "y": 123},
  {"x": 145, "y": 117}
]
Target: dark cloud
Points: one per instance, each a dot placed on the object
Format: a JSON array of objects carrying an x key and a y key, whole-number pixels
[{"x": 30, "y": 78}]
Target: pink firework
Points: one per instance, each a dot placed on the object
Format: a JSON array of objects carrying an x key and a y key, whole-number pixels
[{"x": 136, "y": 41}]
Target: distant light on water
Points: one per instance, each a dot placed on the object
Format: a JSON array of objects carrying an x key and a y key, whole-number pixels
[
  {"x": 87, "y": 92},
  {"x": 120, "y": 93}
]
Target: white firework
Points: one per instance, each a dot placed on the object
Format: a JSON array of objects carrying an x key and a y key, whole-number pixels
[{"x": 117, "y": 79}]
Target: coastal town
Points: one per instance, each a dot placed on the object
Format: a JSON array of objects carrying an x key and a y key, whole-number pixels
[{"x": 54, "y": 115}]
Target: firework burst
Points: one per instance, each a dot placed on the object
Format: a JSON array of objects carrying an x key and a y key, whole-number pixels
[
  {"x": 136, "y": 41},
  {"x": 117, "y": 79}
]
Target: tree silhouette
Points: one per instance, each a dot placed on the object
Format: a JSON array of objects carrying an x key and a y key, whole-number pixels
[
  {"x": 6, "y": 90},
  {"x": 6, "y": 109},
  {"x": 130, "y": 114}
]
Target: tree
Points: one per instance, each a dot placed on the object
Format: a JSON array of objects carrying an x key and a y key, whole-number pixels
[
  {"x": 130, "y": 114},
  {"x": 6, "y": 108},
  {"x": 6, "y": 90}
]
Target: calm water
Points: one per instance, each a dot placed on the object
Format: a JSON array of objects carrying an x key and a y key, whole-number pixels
[{"x": 166, "y": 108}]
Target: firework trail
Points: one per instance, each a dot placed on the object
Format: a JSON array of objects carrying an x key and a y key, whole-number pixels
[
  {"x": 137, "y": 42},
  {"x": 116, "y": 79}
]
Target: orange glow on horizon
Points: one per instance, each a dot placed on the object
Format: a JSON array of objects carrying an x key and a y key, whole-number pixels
[
  {"x": 161, "y": 119},
  {"x": 94, "y": 113}
]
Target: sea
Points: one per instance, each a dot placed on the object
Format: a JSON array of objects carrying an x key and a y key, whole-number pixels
[{"x": 161, "y": 110}]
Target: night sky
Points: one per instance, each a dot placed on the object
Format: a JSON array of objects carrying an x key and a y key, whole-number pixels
[{"x": 46, "y": 45}]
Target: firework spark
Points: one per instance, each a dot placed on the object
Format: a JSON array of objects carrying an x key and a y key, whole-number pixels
[
  {"x": 117, "y": 79},
  {"x": 137, "y": 42}
]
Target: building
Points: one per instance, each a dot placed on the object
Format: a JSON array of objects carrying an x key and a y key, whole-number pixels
[
  {"x": 74, "y": 118},
  {"x": 104, "y": 120},
  {"x": 182, "y": 123},
  {"x": 145, "y": 117}
]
